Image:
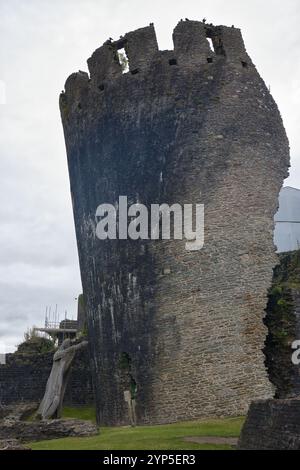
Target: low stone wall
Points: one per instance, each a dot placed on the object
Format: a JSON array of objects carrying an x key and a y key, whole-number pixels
[
  {"x": 49, "y": 429},
  {"x": 271, "y": 425},
  {"x": 23, "y": 379}
]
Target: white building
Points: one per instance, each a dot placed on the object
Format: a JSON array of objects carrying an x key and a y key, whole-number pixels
[{"x": 287, "y": 220}]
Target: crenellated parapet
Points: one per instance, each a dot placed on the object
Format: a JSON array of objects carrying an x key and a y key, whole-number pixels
[
  {"x": 190, "y": 43},
  {"x": 141, "y": 47},
  {"x": 191, "y": 49},
  {"x": 229, "y": 43},
  {"x": 104, "y": 64},
  {"x": 76, "y": 83}
]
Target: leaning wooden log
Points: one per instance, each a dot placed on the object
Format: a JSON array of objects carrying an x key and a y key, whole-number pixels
[{"x": 51, "y": 404}]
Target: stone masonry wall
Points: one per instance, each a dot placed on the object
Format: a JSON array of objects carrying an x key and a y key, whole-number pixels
[
  {"x": 189, "y": 125},
  {"x": 23, "y": 379},
  {"x": 272, "y": 425},
  {"x": 283, "y": 323}
]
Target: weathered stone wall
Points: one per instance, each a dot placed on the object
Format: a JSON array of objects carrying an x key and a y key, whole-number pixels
[
  {"x": 272, "y": 425},
  {"x": 23, "y": 379},
  {"x": 81, "y": 314},
  {"x": 283, "y": 323},
  {"x": 46, "y": 429},
  {"x": 190, "y": 125}
]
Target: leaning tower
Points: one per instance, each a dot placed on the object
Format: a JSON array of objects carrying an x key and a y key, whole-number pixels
[{"x": 194, "y": 125}]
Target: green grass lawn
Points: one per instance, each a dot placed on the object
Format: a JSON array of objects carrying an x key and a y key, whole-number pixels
[
  {"x": 163, "y": 437},
  {"x": 80, "y": 412}
]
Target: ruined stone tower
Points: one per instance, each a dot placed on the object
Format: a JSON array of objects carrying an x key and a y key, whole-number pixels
[{"x": 189, "y": 125}]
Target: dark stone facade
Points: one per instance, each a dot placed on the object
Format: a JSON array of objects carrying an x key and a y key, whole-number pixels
[
  {"x": 283, "y": 323},
  {"x": 272, "y": 425},
  {"x": 190, "y": 125},
  {"x": 23, "y": 379}
]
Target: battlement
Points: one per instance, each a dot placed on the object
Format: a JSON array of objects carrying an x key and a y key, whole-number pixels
[
  {"x": 140, "y": 47},
  {"x": 191, "y": 48}
]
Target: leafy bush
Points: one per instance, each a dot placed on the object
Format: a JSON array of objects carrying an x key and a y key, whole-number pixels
[{"x": 35, "y": 344}]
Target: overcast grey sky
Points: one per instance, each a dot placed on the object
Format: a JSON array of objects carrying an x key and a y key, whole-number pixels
[{"x": 41, "y": 43}]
